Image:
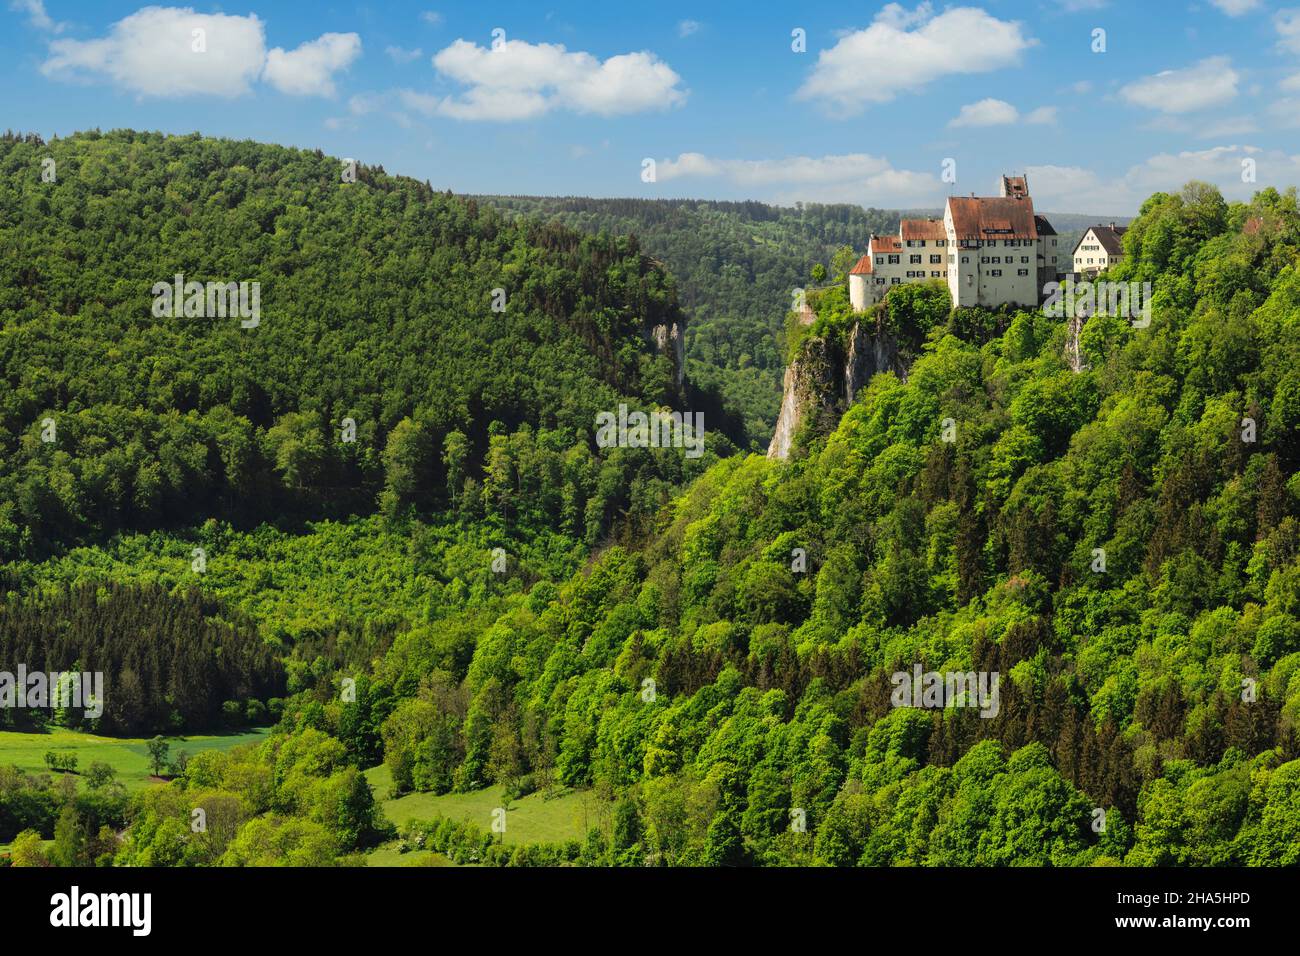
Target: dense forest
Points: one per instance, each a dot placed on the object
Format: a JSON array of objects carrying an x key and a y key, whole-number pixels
[
  {"x": 736, "y": 265},
  {"x": 709, "y": 646},
  {"x": 406, "y": 338},
  {"x": 168, "y": 658}
]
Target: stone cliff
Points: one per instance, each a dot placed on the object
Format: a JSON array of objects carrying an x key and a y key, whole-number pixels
[{"x": 825, "y": 376}]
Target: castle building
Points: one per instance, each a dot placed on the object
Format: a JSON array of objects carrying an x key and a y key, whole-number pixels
[{"x": 990, "y": 251}]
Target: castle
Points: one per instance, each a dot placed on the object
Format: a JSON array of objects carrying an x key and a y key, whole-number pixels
[{"x": 991, "y": 251}]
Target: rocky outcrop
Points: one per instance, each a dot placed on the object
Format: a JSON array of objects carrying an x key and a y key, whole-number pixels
[
  {"x": 870, "y": 352},
  {"x": 670, "y": 340},
  {"x": 825, "y": 377},
  {"x": 788, "y": 419}
]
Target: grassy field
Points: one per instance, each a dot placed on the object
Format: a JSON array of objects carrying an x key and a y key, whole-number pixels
[
  {"x": 129, "y": 755},
  {"x": 536, "y": 818},
  {"x": 389, "y": 855}
]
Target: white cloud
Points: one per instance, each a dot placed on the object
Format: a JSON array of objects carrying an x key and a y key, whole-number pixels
[
  {"x": 988, "y": 112},
  {"x": 520, "y": 80},
  {"x": 399, "y": 55},
  {"x": 36, "y": 15},
  {"x": 1081, "y": 88},
  {"x": 854, "y": 177},
  {"x": 1076, "y": 189},
  {"x": 1236, "y": 8},
  {"x": 1079, "y": 6},
  {"x": 903, "y": 51},
  {"x": 1211, "y": 82},
  {"x": 1287, "y": 23},
  {"x": 309, "y": 70},
  {"x": 151, "y": 53},
  {"x": 1220, "y": 165},
  {"x": 432, "y": 17},
  {"x": 173, "y": 52},
  {"x": 686, "y": 27},
  {"x": 1291, "y": 84},
  {"x": 992, "y": 112}
]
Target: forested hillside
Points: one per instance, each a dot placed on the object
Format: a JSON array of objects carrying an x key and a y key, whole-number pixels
[
  {"x": 379, "y": 306},
  {"x": 378, "y": 377},
  {"x": 706, "y": 646},
  {"x": 1148, "y": 710},
  {"x": 736, "y": 265}
]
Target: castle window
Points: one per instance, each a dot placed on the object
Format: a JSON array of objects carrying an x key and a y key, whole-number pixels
[
  {"x": 893, "y": 260},
  {"x": 934, "y": 260},
  {"x": 1022, "y": 272},
  {"x": 916, "y": 260},
  {"x": 995, "y": 272}
]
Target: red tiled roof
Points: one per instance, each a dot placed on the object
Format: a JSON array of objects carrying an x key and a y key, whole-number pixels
[
  {"x": 992, "y": 218},
  {"x": 923, "y": 229},
  {"x": 863, "y": 267},
  {"x": 881, "y": 244}
]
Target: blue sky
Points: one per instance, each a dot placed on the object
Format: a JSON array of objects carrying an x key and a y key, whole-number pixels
[{"x": 575, "y": 96}]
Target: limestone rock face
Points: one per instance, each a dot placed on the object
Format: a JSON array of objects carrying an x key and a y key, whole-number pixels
[
  {"x": 870, "y": 353},
  {"x": 823, "y": 380},
  {"x": 788, "y": 420},
  {"x": 670, "y": 340}
]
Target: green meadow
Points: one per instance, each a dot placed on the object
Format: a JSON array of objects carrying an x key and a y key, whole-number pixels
[
  {"x": 551, "y": 817},
  {"x": 128, "y": 755}
]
